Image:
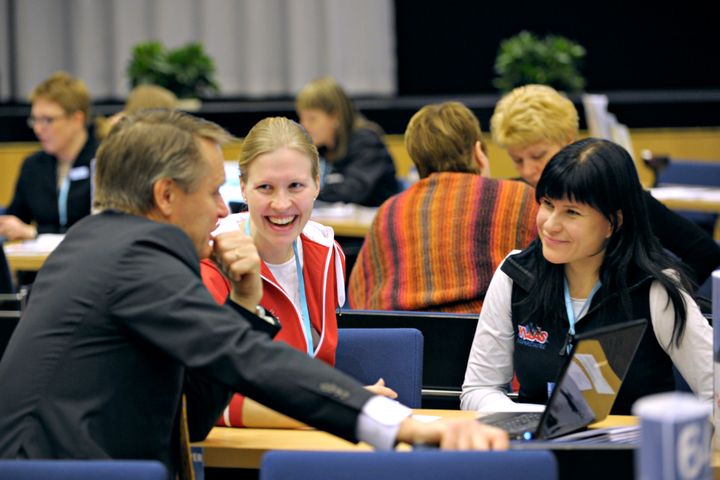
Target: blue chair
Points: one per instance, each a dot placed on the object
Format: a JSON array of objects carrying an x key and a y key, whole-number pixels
[
  {"x": 82, "y": 469},
  {"x": 690, "y": 172},
  {"x": 394, "y": 354},
  {"x": 447, "y": 341},
  {"x": 419, "y": 465}
]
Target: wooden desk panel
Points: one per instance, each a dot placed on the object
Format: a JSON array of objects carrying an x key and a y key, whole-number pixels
[
  {"x": 30, "y": 263},
  {"x": 244, "y": 447},
  {"x": 11, "y": 157},
  {"x": 30, "y": 255},
  {"x": 347, "y": 220}
]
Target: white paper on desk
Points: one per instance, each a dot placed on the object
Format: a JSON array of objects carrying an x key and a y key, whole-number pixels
[
  {"x": 426, "y": 418},
  {"x": 44, "y": 243},
  {"x": 333, "y": 210},
  {"x": 687, "y": 193}
]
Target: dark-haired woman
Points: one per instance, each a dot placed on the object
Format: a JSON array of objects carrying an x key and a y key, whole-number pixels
[{"x": 595, "y": 263}]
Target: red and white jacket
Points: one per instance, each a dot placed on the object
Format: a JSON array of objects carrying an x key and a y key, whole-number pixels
[{"x": 324, "y": 274}]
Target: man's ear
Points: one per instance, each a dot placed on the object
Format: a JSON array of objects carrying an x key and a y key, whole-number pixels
[{"x": 164, "y": 192}]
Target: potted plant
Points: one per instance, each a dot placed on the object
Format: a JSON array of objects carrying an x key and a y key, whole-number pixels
[
  {"x": 187, "y": 71},
  {"x": 552, "y": 60}
]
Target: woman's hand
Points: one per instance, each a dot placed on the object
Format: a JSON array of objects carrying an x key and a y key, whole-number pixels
[
  {"x": 379, "y": 388},
  {"x": 12, "y": 228}
]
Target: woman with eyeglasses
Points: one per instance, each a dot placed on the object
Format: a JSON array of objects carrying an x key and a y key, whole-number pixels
[{"x": 53, "y": 188}]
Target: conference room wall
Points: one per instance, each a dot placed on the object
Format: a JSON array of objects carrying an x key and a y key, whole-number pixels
[{"x": 261, "y": 48}]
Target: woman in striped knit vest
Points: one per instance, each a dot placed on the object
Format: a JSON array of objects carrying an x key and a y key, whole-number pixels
[{"x": 436, "y": 245}]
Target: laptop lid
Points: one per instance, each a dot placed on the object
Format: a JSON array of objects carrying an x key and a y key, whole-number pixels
[{"x": 590, "y": 379}]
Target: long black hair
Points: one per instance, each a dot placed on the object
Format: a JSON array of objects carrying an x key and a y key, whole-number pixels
[{"x": 601, "y": 174}]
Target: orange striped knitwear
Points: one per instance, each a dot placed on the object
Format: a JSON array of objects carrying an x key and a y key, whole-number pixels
[{"x": 436, "y": 245}]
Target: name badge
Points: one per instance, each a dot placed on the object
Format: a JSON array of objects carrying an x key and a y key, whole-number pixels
[{"x": 79, "y": 173}]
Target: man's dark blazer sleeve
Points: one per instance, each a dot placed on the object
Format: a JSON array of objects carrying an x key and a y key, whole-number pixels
[{"x": 164, "y": 301}]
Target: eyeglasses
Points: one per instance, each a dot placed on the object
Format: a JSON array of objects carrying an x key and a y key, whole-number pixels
[{"x": 43, "y": 121}]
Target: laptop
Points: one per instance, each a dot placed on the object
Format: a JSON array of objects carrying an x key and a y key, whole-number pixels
[{"x": 586, "y": 388}]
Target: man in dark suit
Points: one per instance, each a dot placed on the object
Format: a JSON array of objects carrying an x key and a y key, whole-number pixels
[{"x": 120, "y": 326}]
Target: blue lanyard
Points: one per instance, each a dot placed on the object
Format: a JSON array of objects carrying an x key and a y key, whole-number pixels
[
  {"x": 572, "y": 319},
  {"x": 307, "y": 327},
  {"x": 62, "y": 201},
  {"x": 303, "y": 303}
]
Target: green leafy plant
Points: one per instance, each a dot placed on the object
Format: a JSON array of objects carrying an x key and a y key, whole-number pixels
[
  {"x": 187, "y": 71},
  {"x": 552, "y": 60}
]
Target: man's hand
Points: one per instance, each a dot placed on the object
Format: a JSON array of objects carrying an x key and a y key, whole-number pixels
[
  {"x": 458, "y": 434},
  {"x": 239, "y": 260},
  {"x": 12, "y": 228}
]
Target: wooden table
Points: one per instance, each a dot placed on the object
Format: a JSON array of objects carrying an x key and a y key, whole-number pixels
[
  {"x": 30, "y": 255},
  {"x": 30, "y": 263},
  {"x": 244, "y": 447},
  {"x": 347, "y": 220}
]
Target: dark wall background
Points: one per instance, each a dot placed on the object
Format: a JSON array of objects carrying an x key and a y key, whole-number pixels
[
  {"x": 447, "y": 47},
  {"x": 658, "y": 64}
]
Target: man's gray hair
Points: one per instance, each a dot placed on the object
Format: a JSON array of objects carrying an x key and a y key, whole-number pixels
[{"x": 143, "y": 148}]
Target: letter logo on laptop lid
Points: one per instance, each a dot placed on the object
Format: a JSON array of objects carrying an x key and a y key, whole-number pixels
[{"x": 586, "y": 388}]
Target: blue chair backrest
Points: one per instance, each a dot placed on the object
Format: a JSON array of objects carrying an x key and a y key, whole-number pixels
[
  {"x": 419, "y": 465},
  {"x": 394, "y": 354},
  {"x": 688, "y": 172},
  {"x": 447, "y": 341},
  {"x": 82, "y": 469}
]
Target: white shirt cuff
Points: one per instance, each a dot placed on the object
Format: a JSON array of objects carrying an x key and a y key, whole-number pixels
[{"x": 379, "y": 422}]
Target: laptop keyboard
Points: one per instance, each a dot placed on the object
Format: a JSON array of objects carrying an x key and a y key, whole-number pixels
[{"x": 519, "y": 423}]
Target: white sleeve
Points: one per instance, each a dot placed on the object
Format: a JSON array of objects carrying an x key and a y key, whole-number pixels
[
  {"x": 693, "y": 358},
  {"x": 379, "y": 422},
  {"x": 490, "y": 366}
]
